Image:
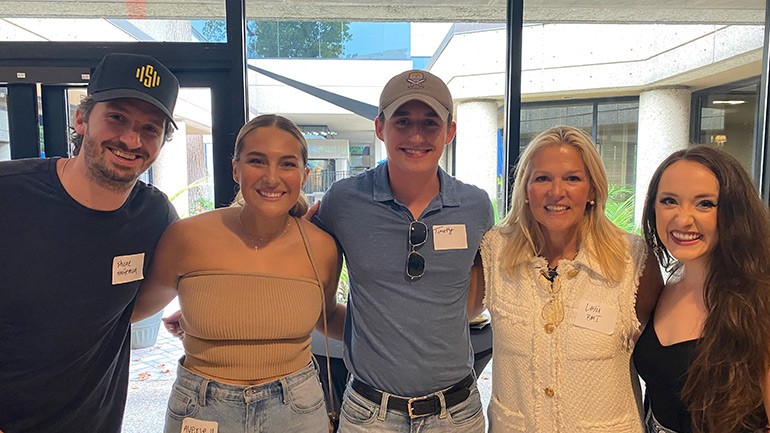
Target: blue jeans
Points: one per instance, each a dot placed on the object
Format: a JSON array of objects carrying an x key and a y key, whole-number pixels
[
  {"x": 359, "y": 415},
  {"x": 653, "y": 426},
  {"x": 292, "y": 404}
]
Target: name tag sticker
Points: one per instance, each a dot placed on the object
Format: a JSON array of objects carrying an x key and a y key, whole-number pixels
[
  {"x": 126, "y": 269},
  {"x": 595, "y": 316},
  {"x": 192, "y": 425},
  {"x": 450, "y": 237}
]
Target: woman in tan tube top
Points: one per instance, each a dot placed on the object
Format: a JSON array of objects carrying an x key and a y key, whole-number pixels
[{"x": 252, "y": 280}]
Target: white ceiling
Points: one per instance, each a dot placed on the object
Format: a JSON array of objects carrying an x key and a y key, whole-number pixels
[{"x": 623, "y": 11}]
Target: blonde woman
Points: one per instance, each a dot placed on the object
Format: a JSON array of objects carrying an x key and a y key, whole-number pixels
[
  {"x": 252, "y": 281},
  {"x": 567, "y": 291}
]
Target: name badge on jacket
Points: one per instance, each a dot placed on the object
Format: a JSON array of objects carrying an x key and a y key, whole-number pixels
[{"x": 595, "y": 316}]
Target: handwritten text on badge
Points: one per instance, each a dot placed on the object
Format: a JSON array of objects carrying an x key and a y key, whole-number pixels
[
  {"x": 127, "y": 268},
  {"x": 192, "y": 425},
  {"x": 450, "y": 237},
  {"x": 595, "y": 316}
]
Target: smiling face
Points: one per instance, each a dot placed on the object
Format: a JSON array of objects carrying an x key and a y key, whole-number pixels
[
  {"x": 414, "y": 137},
  {"x": 121, "y": 140},
  {"x": 558, "y": 190},
  {"x": 270, "y": 170},
  {"x": 686, "y": 210}
]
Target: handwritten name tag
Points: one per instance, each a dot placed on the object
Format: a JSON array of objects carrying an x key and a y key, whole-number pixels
[
  {"x": 192, "y": 425},
  {"x": 450, "y": 237},
  {"x": 127, "y": 268},
  {"x": 595, "y": 316}
]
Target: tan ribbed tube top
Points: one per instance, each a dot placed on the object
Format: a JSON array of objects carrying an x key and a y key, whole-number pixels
[{"x": 247, "y": 328}]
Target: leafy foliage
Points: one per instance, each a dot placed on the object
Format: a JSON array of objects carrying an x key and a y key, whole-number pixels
[
  {"x": 287, "y": 39},
  {"x": 620, "y": 207}
]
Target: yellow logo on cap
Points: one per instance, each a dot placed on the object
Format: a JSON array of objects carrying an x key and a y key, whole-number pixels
[{"x": 148, "y": 76}]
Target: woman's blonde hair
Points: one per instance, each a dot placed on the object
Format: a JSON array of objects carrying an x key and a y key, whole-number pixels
[
  {"x": 597, "y": 235},
  {"x": 282, "y": 123}
]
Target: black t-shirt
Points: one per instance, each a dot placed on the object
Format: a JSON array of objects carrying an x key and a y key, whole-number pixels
[
  {"x": 664, "y": 371},
  {"x": 68, "y": 280}
]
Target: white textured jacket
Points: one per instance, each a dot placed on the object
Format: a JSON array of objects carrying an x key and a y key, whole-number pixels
[{"x": 573, "y": 377}]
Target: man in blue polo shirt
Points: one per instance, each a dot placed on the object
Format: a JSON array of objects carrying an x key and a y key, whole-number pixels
[{"x": 410, "y": 234}]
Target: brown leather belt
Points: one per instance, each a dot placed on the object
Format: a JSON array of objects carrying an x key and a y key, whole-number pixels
[{"x": 418, "y": 406}]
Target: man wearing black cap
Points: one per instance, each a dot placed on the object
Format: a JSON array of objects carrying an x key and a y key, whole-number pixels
[
  {"x": 410, "y": 233},
  {"x": 76, "y": 238}
]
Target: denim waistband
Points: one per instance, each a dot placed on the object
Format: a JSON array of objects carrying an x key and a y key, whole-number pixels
[{"x": 204, "y": 387}]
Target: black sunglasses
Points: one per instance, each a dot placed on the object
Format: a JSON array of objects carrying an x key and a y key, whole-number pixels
[{"x": 415, "y": 263}]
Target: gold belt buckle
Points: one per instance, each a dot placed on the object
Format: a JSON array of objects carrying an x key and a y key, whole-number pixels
[{"x": 409, "y": 406}]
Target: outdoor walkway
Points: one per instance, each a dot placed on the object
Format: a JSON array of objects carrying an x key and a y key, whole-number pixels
[{"x": 152, "y": 373}]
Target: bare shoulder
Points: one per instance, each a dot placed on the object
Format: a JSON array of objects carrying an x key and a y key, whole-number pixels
[{"x": 198, "y": 227}]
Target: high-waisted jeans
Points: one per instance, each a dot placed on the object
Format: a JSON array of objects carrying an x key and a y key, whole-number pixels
[{"x": 292, "y": 404}]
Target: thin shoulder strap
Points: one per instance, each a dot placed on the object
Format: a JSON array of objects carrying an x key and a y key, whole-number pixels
[
  {"x": 331, "y": 413},
  {"x": 309, "y": 251}
]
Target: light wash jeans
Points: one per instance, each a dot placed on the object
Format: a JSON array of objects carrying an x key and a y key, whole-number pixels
[
  {"x": 359, "y": 415},
  {"x": 653, "y": 426},
  {"x": 292, "y": 404}
]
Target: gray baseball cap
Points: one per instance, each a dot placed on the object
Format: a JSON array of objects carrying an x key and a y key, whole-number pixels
[{"x": 416, "y": 85}]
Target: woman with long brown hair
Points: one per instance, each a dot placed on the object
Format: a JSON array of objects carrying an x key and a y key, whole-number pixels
[{"x": 705, "y": 353}]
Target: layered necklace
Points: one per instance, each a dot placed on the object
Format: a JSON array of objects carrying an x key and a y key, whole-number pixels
[{"x": 261, "y": 242}]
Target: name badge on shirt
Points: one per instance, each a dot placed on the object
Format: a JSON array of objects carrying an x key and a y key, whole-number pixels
[
  {"x": 192, "y": 425},
  {"x": 450, "y": 237},
  {"x": 126, "y": 269},
  {"x": 595, "y": 316}
]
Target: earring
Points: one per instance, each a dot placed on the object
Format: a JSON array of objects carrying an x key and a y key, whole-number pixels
[
  {"x": 591, "y": 202},
  {"x": 526, "y": 200}
]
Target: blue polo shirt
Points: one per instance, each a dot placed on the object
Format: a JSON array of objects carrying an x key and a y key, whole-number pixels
[{"x": 406, "y": 337}]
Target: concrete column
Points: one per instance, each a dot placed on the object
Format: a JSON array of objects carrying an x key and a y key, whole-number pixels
[
  {"x": 476, "y": 146},
  {"x": 664, "y": 127},
  {"x": 169, "y": 173}
]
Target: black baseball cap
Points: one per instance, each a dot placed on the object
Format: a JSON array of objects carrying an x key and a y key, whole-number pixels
[{"x": 121, "y": 75}]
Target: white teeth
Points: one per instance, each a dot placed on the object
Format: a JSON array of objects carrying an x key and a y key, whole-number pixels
[
  {"x": 556, "y": 208},
  {"x": 415, "y": 151},
  {"x": 685, "y": 236},
  {"x": 270, "y": 194},
  {"x": 124, "y": 155}
]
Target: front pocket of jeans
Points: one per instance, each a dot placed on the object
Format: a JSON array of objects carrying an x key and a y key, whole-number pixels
[
  {"x": 467, "y": 410},
  {"x": 306, "y": 395},
  {"x": 356, "y": 409},
  {"x": 180, "y": 405}
]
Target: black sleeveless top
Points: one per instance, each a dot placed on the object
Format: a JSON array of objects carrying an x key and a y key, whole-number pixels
[{"x": 664, "y": 371}]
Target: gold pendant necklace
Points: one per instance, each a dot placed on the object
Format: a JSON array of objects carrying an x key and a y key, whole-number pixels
[{"x": 261, "y": 240}]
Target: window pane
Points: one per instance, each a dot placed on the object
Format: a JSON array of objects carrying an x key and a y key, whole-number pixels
[
  {"x": 5, "y": 145},
  {"x": 727, "y": 119},
  {"x": 536, "y": 119},
  {"x": 616, "y": 140},
  {"x": 107, "y": 20}
]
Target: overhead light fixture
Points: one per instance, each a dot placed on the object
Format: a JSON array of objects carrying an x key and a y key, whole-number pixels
[
  {"x": 730, "y": 102},
  {"x": 719, "y": 139}
]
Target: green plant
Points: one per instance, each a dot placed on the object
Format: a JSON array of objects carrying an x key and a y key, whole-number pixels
[
  {"x": 343, "y": 286},
  {"x": 199, "y": 204},
  {"x": 620, "y": 207}
]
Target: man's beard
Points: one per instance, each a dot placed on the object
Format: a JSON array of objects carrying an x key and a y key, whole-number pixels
[{"x": 107, "y": 175}]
